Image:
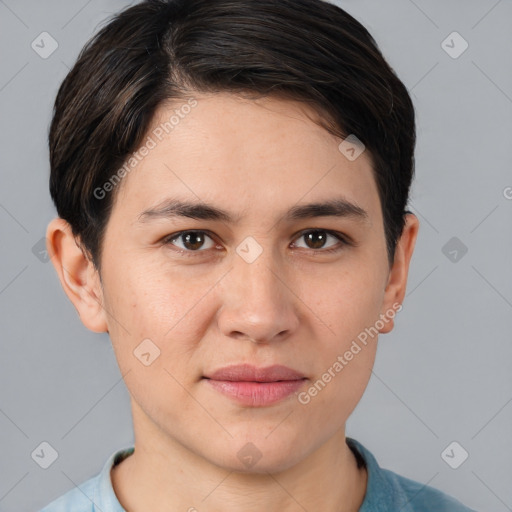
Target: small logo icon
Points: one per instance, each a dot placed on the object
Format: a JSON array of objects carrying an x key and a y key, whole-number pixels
[
  {"x": 351, "y": 147},
  {"x": 249, "y": 249},
  {"x": 454, "y": 455},
  {"x": 44, "y": 455},
  {"x": 40, "y": 252},
  {"x": 146, "y": 352},
  {"x": 454, "y": 249},
  {"x": 454, "y": 45},
  {"x": 44, "y": 45},
  {"x": 249, "y": 455}
]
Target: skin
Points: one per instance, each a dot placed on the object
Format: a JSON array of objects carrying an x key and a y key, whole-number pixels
[{"x": 294, "y": 305}]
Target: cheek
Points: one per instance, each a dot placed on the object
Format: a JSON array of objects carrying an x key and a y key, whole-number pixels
[
  {"x": 157, "y": 325},
  {"x": 347, "y": 308},
  {"x": 170, "y": 310},
  {"x": 347, "y": 302},
  {"x": 344, "y": 354}
]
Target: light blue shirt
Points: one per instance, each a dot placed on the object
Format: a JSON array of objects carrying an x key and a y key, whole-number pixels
[{"x": 386, "y": 491}]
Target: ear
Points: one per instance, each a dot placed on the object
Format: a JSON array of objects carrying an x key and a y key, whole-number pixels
[
  {"x": 78, "y": 276},
  {"x": 395, "y": 289}
]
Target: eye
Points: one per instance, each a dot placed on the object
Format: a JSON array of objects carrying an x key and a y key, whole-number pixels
[
  {"x": 316, "y": 238},
  {"x": 195, "y": 241},
  {"x": 192, "y": 241}
]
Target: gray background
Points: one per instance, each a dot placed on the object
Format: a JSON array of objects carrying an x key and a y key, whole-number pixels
[{"x": 442, "y": 375}]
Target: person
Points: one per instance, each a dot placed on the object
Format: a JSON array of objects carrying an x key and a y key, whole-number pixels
[{"x": 231, "y": 180}]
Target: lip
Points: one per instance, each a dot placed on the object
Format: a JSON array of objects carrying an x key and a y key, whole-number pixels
[
  {"x": 254, "y": 386},
  {"x": 249, "y": 373}
]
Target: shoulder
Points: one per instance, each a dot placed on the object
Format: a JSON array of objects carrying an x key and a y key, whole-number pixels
[
  {"x": 423, "y": 498},
  {"x": 388, "y": 491},
  {"x": 95, "y": 494},
  {"x": 78, "y": 499}
]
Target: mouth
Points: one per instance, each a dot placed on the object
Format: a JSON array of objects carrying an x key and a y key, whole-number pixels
[{"x": 256, "y": 387}]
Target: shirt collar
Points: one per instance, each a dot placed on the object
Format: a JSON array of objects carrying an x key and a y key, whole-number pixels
[
  {"x": 383, "y": 491},
  {"x": 380, "y": 488},
  {"x": 105, "y": 499}
]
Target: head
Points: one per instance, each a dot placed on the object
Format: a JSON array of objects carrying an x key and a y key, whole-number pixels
[{"x": 246, "y": 107}]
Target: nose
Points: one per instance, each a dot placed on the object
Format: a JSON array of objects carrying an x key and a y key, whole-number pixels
[{"x": 258, "y": 301}]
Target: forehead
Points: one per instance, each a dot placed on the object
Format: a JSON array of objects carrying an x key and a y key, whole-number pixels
[{"x": 266, "y": 153}]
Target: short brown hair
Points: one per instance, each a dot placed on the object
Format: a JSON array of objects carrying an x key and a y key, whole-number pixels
[{"x": 159, "y": 50}]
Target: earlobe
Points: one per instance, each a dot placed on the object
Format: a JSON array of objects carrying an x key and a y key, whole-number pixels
[
  {"x": 77, "y": 275},
  {"x": 397, "y": 282}
]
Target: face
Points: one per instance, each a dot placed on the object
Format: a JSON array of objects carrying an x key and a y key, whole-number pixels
[{"x": 268, "y": 282}]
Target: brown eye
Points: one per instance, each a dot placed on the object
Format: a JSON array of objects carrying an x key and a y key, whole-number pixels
[
  {"x": 316, "y": 239},
  {"x": 192, "y": 241}
]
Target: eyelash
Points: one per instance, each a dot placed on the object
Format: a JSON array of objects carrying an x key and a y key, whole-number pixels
[{"x": 343, "y": 239}]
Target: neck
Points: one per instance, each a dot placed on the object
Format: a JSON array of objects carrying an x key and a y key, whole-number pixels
[{"x": 164, "y": 475}]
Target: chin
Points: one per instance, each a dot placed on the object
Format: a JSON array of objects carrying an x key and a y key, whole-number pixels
[{"x": 256, "y": 454}]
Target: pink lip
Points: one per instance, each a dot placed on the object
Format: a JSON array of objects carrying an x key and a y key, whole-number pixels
[{"x": 254, "y": 386}]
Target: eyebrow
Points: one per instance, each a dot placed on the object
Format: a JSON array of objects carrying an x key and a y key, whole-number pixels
[{"x": 175, "y": 208}]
